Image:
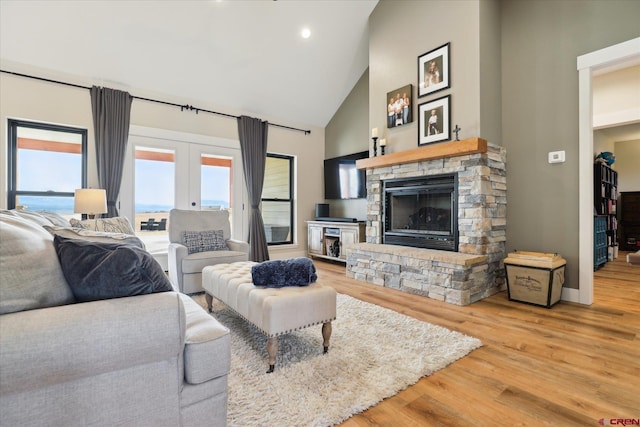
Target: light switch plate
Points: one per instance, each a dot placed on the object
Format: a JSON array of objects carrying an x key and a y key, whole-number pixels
[{"x": 556, "y": 156}]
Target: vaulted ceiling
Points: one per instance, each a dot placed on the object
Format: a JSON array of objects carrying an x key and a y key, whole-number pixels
[{"x": 239, "y": 56}]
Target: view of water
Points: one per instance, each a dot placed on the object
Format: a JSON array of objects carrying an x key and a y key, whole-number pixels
[{"x": 64, "y": 205}]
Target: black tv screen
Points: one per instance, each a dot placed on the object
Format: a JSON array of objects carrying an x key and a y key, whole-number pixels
[{"x": 342, "y": 180}]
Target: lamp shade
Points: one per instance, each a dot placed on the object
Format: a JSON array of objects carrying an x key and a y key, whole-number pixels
[{"x": 90, "y": 201}]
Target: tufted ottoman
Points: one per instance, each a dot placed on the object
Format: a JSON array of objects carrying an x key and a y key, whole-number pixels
[{"x": 273, "y": 311}]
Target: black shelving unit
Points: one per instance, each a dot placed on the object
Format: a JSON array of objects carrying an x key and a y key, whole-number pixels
[
  {"x": 600, "y": 249},
  {"x": 605, "y": 198}
]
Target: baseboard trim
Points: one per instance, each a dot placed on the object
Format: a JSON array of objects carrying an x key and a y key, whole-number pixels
[{"x": 571, "y": 295}]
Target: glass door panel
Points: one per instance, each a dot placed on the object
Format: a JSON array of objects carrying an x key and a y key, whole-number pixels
[
  {"x": 154, "y": 176},
  {"x": 216, "y": 183}
]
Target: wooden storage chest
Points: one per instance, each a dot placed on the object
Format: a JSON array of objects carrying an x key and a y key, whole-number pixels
[{"x": 535, "y": 277}]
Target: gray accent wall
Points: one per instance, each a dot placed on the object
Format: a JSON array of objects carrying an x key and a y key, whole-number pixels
[
  {"x": 490, "y": 73},
  {"x": 400, "y": 31},
  {"x": 346, "y": 133},
  {"x": 541, "y": 41},
  {"x": 514, "y": 82}
]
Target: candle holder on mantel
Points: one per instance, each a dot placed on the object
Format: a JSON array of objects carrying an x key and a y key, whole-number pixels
[
  {"x": 383, "y": 144},
  {"x": 374, "y": 136}
]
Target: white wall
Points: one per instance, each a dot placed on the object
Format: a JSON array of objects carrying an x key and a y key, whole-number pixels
[
  {"x": 627, "y": 165},
  {"x": 616, "y": 97},
  {"x": 602, "y": 143},
  {"x": 34, "y": 100},
  {"x": 616, "y": 106}
]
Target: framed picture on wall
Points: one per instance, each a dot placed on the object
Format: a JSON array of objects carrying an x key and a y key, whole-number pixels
[
  {"x": 434, "y": 121},
  {"x": 433, "y": 70},
  {"x": 399, "y": 106}
]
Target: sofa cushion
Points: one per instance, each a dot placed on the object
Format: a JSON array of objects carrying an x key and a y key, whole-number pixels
[
  {"x": 31, "y": 274},
  {"x": 205, "y": 338},
  {"x": 94, "y": 236},
  {"x": 118, "y": 224},
  {"x": 194, "y": 263},
  {"x": 55, "y": 218},
  {"x": 96, "y": 270},
  {"x": 204, "y": 241},
  {"x": 33, "y": 216}
]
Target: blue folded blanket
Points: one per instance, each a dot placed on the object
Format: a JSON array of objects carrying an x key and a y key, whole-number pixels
[{"x": 286, "y": 272}]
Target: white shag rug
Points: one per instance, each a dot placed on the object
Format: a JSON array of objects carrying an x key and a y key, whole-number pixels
[{"x": 374, "y": 353}]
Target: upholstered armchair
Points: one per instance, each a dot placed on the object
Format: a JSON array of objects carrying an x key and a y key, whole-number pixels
[{"x": 198, "y": 239}]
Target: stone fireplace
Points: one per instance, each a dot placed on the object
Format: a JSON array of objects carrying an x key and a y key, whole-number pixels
[{"x": 460, "y": 263}]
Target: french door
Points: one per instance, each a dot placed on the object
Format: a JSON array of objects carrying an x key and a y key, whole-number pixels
[{"x": 166, "y": 169}]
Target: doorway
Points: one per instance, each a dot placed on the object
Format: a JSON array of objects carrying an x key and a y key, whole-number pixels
[
  {"x": 166, "y": 170},
  {"x": 588, "y": 64}
]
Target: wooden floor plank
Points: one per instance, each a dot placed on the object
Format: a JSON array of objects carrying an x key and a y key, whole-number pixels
[{"x": 568, "y": 365}]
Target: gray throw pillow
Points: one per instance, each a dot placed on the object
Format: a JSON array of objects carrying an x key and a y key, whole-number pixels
[
  {"x": 96, "y": 271},
  {"x": 204, "y": 241},
  {"x": 30, "y": 274}
]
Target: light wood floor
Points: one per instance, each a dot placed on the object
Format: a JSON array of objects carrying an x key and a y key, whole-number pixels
[{"x": 570, "y": 365}]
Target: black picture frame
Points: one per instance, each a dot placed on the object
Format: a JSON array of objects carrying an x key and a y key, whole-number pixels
[
  {"x": 436, "y": 129},
  {"x": 400, "y": 106},
  {"x": 434, "y": 70}
]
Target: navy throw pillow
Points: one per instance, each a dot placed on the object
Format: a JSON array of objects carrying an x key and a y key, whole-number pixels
[{"x": 96, "y": 270}]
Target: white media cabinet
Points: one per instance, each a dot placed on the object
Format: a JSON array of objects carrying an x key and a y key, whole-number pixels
[{"x": 326, "y": 239}]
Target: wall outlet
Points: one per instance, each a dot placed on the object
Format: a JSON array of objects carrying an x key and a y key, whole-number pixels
[{"x": 556, "y": 156}]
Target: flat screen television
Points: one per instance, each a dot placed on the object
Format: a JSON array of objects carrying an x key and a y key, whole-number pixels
[{"x": 342, "y": 180}]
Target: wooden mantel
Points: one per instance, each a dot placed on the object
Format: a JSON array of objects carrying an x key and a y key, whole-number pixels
[{"x": 428, "y": 152}]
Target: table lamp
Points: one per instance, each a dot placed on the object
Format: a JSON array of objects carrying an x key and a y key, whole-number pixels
[{"x": 90, "y": 201}]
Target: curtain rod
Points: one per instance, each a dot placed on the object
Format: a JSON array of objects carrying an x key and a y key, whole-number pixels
[{"x": 182, "y": 107}]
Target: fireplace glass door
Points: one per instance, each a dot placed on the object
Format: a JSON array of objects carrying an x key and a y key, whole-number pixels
[{"x": 422, "y": 212}]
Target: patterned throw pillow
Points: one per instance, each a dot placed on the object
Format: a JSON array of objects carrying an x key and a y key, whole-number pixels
[
  {"x": 118, "y": 224},
  {"x": 203, "y": 241}
]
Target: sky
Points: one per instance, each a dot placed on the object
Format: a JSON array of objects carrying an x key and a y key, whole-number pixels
[
  {"x": 154, "y": 179},
  {"x": 34, "y": 172},
  {"x": 154, "y": 183}
]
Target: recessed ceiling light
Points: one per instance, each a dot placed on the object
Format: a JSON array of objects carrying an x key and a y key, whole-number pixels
[{"x": 306, "y": 33}]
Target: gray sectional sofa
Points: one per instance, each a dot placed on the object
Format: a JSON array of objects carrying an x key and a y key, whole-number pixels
[{"x": 155, "y": 359}]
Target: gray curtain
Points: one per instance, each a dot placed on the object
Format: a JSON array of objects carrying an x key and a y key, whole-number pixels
[
  {"x": 111, "y": 114},
  {"x": 253, "y": 145}
]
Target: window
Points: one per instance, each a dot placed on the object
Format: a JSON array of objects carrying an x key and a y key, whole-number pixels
[
  {"x": 46, "y": 165},
  {"x": 277, "y": 199}
]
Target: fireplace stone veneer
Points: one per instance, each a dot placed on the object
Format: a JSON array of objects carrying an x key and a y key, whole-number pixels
[{"x": 476, "y": 270}]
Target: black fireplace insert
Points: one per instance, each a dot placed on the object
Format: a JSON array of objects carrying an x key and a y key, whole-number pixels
[{"x": 421, "y": 212}]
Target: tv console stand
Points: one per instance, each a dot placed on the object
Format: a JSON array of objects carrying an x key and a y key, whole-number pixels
[{"x": 326, "y": 238}]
